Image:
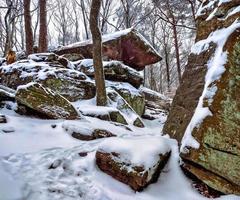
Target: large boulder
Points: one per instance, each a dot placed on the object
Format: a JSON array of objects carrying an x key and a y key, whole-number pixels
[
  {"x": 71, "y": 84},
  {"x": 114, "y": 71},
  {"x": 45, "y": 102},
  {"x": 204, "y": 116},
  {"x": 120, "y": 159},
  {"x": 127, "y": 46}
]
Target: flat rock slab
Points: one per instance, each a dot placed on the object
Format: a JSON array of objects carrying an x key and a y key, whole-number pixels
[
  {"x": 136, "y": 162},
  {"x": 127, "y": 46}
]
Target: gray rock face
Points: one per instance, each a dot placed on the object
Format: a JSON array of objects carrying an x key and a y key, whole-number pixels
[{"x": 45, "y": 102}]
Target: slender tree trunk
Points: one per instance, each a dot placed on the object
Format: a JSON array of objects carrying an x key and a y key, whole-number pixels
[
  {"x": 43, "y": 41},
  {"x": 7, "y": 46},
  {"x": 28, "y": 27},
  {"x": 167, "y": 67},
  {"x": 176, "y": 45},
  {"x": 84, "y": 18},
  {"x": 97, "y": 53}
]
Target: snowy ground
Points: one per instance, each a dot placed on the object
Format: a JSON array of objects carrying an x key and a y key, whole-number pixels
[{"x": 39, "y": 162}]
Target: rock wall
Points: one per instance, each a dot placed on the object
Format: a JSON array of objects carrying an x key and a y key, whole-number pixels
[{"x": 214, "y": 156}]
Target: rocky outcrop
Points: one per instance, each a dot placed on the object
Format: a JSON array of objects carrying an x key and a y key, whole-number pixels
[
  {"x": 71, "y": 84},
  {"x": 125, "y": 169},
  {"x": 114, "y": 71},
  {"x": 127, "y": 46},
  {"x": 206, "y": 106},
  {"x": 44, "y": 102}
]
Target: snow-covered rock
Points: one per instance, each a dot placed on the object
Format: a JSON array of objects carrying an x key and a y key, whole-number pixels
[
  {"x": 113, "y": 70},
  {"x": 204, "y": 117},
  {"x": 71, "y": 84},
  {"x": 123, "y": 160},
  {"x": 6, "y": 94},
  {"x": 84, "y": 131},
  {"x": 43, "y": 102}
]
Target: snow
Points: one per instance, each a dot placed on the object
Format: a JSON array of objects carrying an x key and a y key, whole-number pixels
[
  {"x": 234, "y": 11},
  {"x": 10, "y": 189},
  {"x": 39, "y": 70},
  {"x": 27, "y": 154},
  {"x": 203, "y": 8},
  {"x": 105, "y": 38},
  {"x": 215, "y": 70},
  {"x": 133, "y": 149}
]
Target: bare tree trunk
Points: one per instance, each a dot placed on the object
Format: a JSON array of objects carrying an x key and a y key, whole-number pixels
[
  {"x": 97, "y": 53},
  {"x": 7, "y": 29},
  {"x": 43, "y": 41},
  {"x": 28, "y": 27},
  {"x": 84, "y": 18},
  {"x": 167, "y": 67},
  {"x": 176, "y": 45}
]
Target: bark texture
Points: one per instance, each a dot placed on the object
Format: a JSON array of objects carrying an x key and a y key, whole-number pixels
[
  {"x": 43, "y": 41},
  {"x": 97, "y": 53},
  {"x": 28, "y": 27}
]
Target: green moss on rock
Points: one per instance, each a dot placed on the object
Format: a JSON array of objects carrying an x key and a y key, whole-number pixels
[{"x": 46, "y": 102}]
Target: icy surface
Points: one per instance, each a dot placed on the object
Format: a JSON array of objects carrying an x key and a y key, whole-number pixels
[{"x": 215, "y": 70}]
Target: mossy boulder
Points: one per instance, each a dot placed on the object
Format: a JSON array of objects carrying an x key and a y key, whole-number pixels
[
  {"x": 135, "y": 100},
  {"x": 44, "y": 101}
]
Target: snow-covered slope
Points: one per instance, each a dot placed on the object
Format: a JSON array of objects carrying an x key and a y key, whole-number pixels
[{"x": 40, "y": 161}]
